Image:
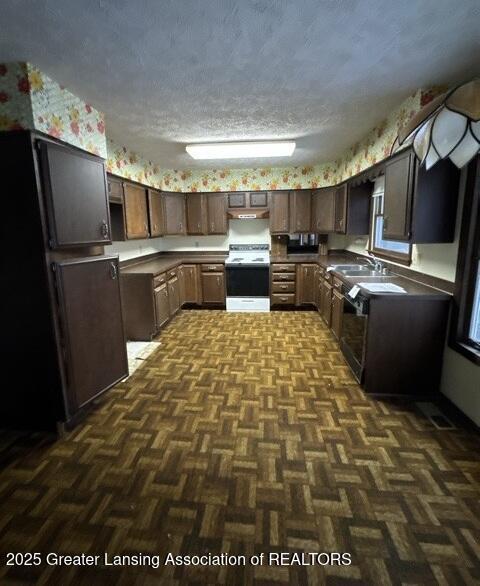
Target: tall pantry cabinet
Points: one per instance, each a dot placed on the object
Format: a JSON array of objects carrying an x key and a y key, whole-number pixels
[{"x": 63, "y": 328}]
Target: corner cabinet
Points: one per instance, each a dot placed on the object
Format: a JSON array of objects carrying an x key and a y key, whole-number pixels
[
  {"x": 419, "y": 205},
  {"x": 75, "y": 190}
]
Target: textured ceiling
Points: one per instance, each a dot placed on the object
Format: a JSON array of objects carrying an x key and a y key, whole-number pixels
[{"x": 172, "y": 72}]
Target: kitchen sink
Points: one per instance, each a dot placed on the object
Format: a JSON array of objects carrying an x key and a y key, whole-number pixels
[
  {"x": 362, "y": 273},
  {"x": 343, "y": 268}
]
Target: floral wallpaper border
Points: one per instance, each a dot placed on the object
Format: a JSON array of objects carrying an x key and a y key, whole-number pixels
[{"x": 30, "y": 99}]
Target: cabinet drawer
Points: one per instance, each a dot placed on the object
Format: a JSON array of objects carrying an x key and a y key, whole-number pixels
[
  {"x": 171, "y": 273},
  {"x": 283, "y": 299},
  {"x": 280, "y": 268},
  {"x": 287, "y": 287},
  {"x": 337, "y": 283},
  {"x": 212, "y": 268},
  {"x": 283, "y": 277},
  {"x": 159, "y": 280}
]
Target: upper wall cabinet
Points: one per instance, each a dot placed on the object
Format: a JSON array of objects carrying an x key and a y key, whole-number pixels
[
  {"x": 156, "y": 215},
  {"x": 76, "y": 196},
  {"x": 323, "y": 210},
  {"x": 419, "y": 205},
  {"x": 300, "y": 210},
  {"x": 352, "y": 208},
  {"x": 197, "y": 221},
  {"x": 136, "y": 218},
  {"x": 279, "y": 212},
  {"x": 217, "y": 213},
  {"x": 206, "y": 213},
  {"x": 175, "y": 215}
]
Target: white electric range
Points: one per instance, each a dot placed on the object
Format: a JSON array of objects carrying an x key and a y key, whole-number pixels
[{"x": 247, "y": 269}]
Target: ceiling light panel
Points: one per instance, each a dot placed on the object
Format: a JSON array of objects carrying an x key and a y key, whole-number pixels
[{"x": 241, "y": 150}]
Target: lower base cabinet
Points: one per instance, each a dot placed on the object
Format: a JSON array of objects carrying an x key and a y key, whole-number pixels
[
  {"x": 173, "y": 295},
  {"x": 191, "y": 284},
  {"x": 337, "y": 313},
  {"x": 162, "y": 306},
  {"x": 326, "y": 302},
  {"x": 213, "y": 286}
]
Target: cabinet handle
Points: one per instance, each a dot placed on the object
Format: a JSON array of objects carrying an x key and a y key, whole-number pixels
[
  {"x": 113, "y": 270},
  {"x": 104, "y": 230},
  {"x": 212, "y": 225},
  {"x": 181, "y": 226},
  {"x": 198, "y": 225},
  {"x": 218, "y": 280},
  {"x": 146, "y": 227},
  {"x": 155, "y": 227}
]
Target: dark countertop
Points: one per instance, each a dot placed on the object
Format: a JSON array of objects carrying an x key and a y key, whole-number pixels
[
  {"x": 412, "y": 288},
  {"x": 169, "y": 261}
]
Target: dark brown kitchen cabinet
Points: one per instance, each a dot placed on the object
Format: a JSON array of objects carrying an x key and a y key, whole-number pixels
[
  {"x": 66, "y": 302},
  {"x": 300, "y": 210},
  {"x": 173, "y": 295},
  {"x": 175, "y": 216},
  {"x": 419, "y": 205},
  {"x": 323, "y": 210},
  {"x": 398, "y": 195},
  {"x": 279, "y": 212},
  {"x": 337, "y": 313},
  {"x": 136, "y": 216},
  {"x": 92, "y": 328},
  {"x": 197, "y": 220},
  {"x": 115, "y": 190},
  {"x": 191, "y": 278},
  {"x": 162, "y": 306},
  {"x": 217, "y": 213},
  {"x": 213, "y": 288},
  {"x": 305, "y": 284},
  {"x": 156, "y": 215},
  {"x": 75, "y": 189},
  {"x": 341, "y": 209},
  {"x": 352, "y": 208},
  {"x": 326, "y": 302}
]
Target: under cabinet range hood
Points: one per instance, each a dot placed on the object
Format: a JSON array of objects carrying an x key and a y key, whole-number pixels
[
  {"x": 248, "y": 205},
  {"x": 248, "y": 214}
]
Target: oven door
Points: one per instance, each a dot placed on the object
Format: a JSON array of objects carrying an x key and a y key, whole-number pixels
[
  {"x": 247, "y": 281},
  {"x": 354, "y": 335}
]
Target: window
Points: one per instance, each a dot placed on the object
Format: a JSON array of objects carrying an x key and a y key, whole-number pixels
[
  {"x": 390, "y": 249},
  {"x": 465, "y": 327}
]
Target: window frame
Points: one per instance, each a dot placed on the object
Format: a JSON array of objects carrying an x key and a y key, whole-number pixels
[
  {"x": 467, "y": 268},
  {"x": 398, "y": 257}
]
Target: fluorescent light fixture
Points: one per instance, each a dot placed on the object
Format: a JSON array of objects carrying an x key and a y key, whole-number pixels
[{"x": 241, "y": 150}]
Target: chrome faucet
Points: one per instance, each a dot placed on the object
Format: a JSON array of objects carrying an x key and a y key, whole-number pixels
[{"x": 373, "y": 261}]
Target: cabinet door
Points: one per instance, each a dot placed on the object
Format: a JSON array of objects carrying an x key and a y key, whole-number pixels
[
  {"x": 279, "y": 212},
  {"x": 305, "y": 284},
  {"x": 196, "y": 213},
  {"x": 136, "y": 219},
  {"x": 192, "y": 284},
  {"x": 337, "y": 313},
  {"x": 323, "y": 210},
  {"x": 115, "y": 190},
  {"x": 237, "y": 200},
  {"x": 258, "y": 199},
  {"x": 174, "y": 209},
  {"x": 173, "y": 295},
  {"x": 91, "y": 317},
  {"x": 341, "y": 209},
  {"x": 162, "y": 306},
  {"x": 75, "y": 188},
  {"x": 213, "y": 288},
  {"x": 398, "y": 195},
  {"x": 327, "y": 302},
  {"x": 300, "y": 210},
  {"x": 217, "y": 213},
  {"x": 155, "y": 213}
]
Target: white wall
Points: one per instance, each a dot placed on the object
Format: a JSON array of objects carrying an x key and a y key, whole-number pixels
[{"x": 239, "y": 232}]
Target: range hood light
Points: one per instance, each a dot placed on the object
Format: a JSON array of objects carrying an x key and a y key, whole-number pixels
[{"x": 241, "y": 150}]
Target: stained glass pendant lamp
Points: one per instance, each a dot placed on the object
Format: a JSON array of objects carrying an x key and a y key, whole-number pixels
[{"x": 447, "y": 127}]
